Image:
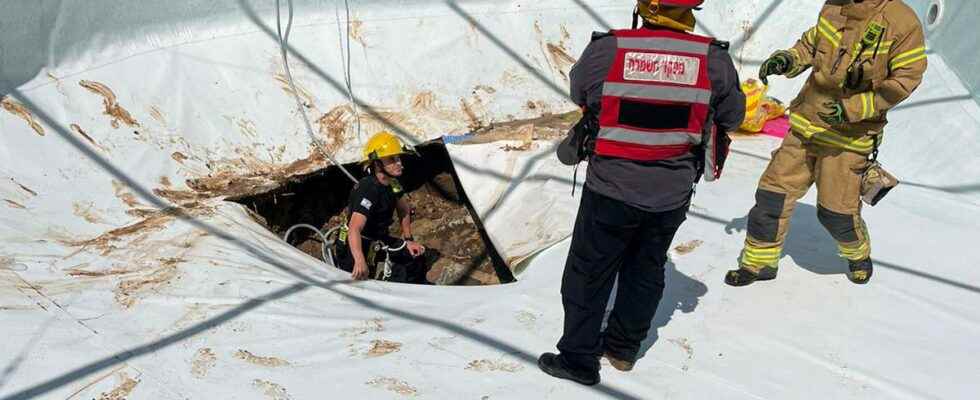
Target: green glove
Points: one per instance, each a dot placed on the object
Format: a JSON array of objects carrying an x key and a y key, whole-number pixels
[
  {"x": 778, "y": 64},
  {"x": 835, "y": 113}
]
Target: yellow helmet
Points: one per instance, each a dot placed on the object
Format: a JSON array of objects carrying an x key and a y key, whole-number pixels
[
  {"x": 674, "y": 14},
  {"x": 383, "y": 144}
]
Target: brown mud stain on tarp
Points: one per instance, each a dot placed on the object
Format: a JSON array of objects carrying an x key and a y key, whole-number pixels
[
  {"x": 122, "y": 391},
  {"x": 57, "y": 84},
  {"x": 194, "y": 313},
  {"x": 473, "y": 121},
  {"x": 14, "y": 204},
  {"x": 485, "y": 88},
  {"x": 333, "y": 126},
  {"x": 525, "y": 135},
  {"x": 80, "y": 132},
  {"x": 129, "y": 291},
  {"x": 248, "y": 175},
  {"x": 556, "y": 55},
  {"x": 19, "y": 110},
  {"x": 546, "y": 127},
  {"x": 304, "y": 95},
  {"x": 179, "y": 197},
  {"x": 685, "y": 345},
  {"x": 393, "y": 385},
  {"x": 204, "y": 360},
  {"x": 245, "y": 126},
  {"x": 112, "y": 107},
  {"x": 122, "y": 193},
  {"x": 179, "y": 157},
  {"x": 253, "y": 359},
  {"x": 81, "y": 273},
  {"x": 424, "y": 102},
  {"x": 271, "y": 390},
  {"x": 357, "y": 32},
  {"x": 371, "y": 325},
  {"x": 559, "y": 54},
  {"x": 687, "y": 247},
  {"x": 153, "y": 220},
  {"x": 492, "y": 366},
  {"x": 86, "y": 210},
  {"x": 383, "y": 347},
  {"x": 157, "y": 115},
  {"x": 24, "y": 188},
  {"x": 513, "y": 77}
]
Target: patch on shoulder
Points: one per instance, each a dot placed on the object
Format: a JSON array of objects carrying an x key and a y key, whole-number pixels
[{"x": 366, "y": 203}]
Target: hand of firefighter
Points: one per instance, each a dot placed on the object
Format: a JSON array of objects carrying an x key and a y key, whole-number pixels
[
  {"x": 778, "y": 64},
  {"x": 835, "y": 113},
  {"x": 414, "y": 248},
  {"x": 360, "y": 271}
]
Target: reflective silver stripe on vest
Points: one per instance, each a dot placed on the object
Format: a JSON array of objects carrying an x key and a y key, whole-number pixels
[
  {"x": 649, "y": 138},
  {"x": 664, "y": 44},
  {"x": 656, "y": 92}
]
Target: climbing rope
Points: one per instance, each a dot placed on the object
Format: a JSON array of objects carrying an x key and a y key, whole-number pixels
[
  {"x": 324, "y": 246},
  {"x": 283, "y": 41},
  {"x": 327, "y": 243}
]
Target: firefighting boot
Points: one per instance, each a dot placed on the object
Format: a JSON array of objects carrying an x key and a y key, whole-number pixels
[
  {"x": 860, "y": 271},
  {"x": 745, "y": 277}
]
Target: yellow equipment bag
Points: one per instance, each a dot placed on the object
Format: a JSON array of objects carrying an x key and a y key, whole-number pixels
[{"x": 759, "y": 108}]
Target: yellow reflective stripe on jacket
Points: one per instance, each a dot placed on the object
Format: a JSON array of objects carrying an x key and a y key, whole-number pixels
[
  {"x": 798, "y": 65},
  {"x": 867, "y": 105},
  {"x": 830, "y": 32},
  {"x": 827, "y": 137},
  {"x": 908, "y": 57},
  {"x": 883, "y": 49},
  {"x": 811, "y": 36}
]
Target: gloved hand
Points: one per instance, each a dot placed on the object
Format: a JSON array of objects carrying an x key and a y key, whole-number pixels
[
  {"x": 835, "y": 113},
  {"x": 778, "y": 64}
]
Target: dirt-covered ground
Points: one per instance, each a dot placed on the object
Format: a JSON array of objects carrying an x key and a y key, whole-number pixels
[{"x": 457, "y": 251}]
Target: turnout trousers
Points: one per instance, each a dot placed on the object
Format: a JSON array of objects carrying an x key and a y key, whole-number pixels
[
  {"x": 796, "y": 166},
  {"x": 611, "y": 239}
]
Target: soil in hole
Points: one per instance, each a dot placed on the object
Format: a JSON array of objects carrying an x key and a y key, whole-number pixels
[{"x": 459, "y": 251}]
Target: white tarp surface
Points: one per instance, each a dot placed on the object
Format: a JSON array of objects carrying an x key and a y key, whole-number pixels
[{"x": 101, "y": 296}]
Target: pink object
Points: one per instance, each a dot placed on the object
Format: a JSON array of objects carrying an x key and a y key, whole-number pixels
[{"x": 776, "y": 127}]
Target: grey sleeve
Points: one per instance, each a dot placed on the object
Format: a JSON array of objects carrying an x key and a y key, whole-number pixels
[
  {"x": 727, "y": 99},
  {"x": 589, "y": 73}
]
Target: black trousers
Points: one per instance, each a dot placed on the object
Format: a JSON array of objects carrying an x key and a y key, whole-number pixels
[
  {"x": 613, "y": 239},
  {"x": 404, "y": 267}
]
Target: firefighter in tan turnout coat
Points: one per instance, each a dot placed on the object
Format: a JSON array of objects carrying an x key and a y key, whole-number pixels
[{"x": 866, "y": 57}]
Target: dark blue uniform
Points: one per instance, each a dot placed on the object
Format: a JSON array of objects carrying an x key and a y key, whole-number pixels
[
  {"x": 627, "y": 219},
  {"x": 378, "y": 203}
]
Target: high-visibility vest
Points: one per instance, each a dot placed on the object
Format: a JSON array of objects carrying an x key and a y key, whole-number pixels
[{"x": 655, "y": 99}]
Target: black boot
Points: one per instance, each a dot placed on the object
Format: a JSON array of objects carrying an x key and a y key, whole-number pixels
[
  {"x": 745, "y": 277},
  {"x": 860, "y": 271},
  {"x": 552, "y": 364}
]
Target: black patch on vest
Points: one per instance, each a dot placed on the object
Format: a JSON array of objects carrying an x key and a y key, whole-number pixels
[
  {"x": 840, "y": 226},
  {"x": 654, "y": 116},
  {"x": 764, "y": 217},
  {"x": 721, "y": 44}
]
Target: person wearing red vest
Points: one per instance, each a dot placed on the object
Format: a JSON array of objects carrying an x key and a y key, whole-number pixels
[{"x": 658, "y": 104}]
